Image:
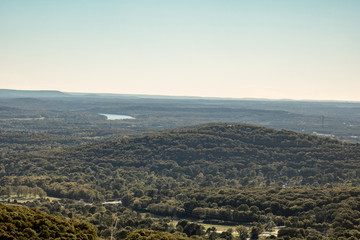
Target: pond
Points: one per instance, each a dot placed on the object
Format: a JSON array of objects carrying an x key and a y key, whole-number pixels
[{"x": 116, "y": 116}]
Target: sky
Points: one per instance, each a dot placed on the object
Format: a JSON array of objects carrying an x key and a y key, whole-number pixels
[{"x": 276, "y": 49}]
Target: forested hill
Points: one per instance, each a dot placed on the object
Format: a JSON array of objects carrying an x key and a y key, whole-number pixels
[
  {"x": 222, "y": 172},
  {"x": 24, "y": 223},
  {"x": 251, "y": 155}
]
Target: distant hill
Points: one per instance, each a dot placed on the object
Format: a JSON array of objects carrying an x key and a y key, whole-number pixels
[
  {"x": 340, "y": 119},
  {"x": 249, "y": 154},
  {"x": 9, "y": 93}
]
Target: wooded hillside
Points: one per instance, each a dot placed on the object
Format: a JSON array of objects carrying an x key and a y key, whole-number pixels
[
  {"x": 24, "y": 223},
  {"x": 232, "y": 173}
]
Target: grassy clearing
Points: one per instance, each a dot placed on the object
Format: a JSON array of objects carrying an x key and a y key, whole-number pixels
[
  {"x": 224, "y": 228},
  {"x": 28, "y": 198},
  {"x": 219, "y": 228}
]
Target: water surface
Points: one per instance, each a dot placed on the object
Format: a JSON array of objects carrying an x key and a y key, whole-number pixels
[{"x": 116, "y": 116}]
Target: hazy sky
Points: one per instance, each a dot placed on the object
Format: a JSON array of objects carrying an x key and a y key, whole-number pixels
[{"x": 297, "y": 49}]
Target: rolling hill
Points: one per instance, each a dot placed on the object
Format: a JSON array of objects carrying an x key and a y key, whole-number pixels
[
  {"x": 216, "y": 172},
  {"x": 238, "y": 152}
]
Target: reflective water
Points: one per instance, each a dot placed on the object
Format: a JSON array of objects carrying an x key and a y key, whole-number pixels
[{"x": 116, "y": 116}]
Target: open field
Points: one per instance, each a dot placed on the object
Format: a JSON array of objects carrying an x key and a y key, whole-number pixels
[{"x": 14, "y": 198}]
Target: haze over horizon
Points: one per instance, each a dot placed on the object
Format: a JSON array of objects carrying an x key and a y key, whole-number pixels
[{"x": 234, "y": 49}]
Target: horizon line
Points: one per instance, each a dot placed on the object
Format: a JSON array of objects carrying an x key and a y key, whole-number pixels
[{"x": 183, "y": 96}]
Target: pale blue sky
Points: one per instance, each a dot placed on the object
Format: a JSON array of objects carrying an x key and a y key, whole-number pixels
[{"x": 297, "y": 49}]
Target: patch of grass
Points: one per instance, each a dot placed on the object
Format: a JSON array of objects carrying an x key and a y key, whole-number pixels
[
  {"x": 28, "y": 198},
  {"x": 219, "y": 228}
]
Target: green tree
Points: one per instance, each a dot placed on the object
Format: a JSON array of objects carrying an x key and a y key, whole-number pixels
[{"x": 242, "y": 231}]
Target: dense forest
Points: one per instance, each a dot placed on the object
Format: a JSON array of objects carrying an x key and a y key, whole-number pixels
[
  {"x": 237, "y": 154},
  {"x": 72, "y": 168},
  {"x": 218, "y": 173},
  {"x": 24, "y": 223}
]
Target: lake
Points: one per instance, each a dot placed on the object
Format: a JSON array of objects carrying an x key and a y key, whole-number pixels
[{"x": 116, "y": 116}]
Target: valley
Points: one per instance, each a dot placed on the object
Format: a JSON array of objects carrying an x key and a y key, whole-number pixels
[{"x": 198, "y": 164}]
